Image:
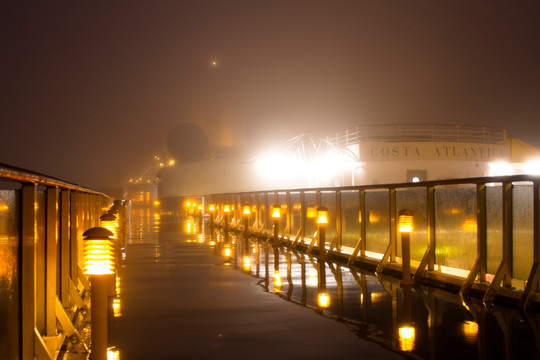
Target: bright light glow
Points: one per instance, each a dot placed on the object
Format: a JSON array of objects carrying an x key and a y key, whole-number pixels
[
  {"x": 415, "y": 179},
  {"x": 532, "y": 167},
  {"x": 212, "y": 243},
  {"x": 212, "y": 208},
  {"x": 318, "y": 168},
  {"x": 4, "y": 207},
  {"x": 98, "y": 257},
  {"x": 227, "y": 208},
  {"x": 247, "y": 210},
  {"x": 311, "y": 213},
  {"x": 406, "y": 338},
  {"x": 172, "y": 162},
  {"x": 500, "y": 168},
  {"x": 276, "y": 212},
  {"x": 227, "y": 251},
  {"x": 323, "y": 300}
]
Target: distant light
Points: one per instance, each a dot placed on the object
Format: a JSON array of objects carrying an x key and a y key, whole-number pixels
[
  {"x": 278, "y": 283},
  {"x": 246, "y": 263},
  {"x": 247, "y": 210},
  {"x": 415, "y": 179}
]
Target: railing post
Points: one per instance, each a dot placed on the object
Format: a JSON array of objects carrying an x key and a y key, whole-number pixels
[
  {"x": 74, "y": 242},
  {"x": 507, "y": 232},
  {"x": 393, "y": 225},
  {"x": 339, "y": 223},
  {"x": 481, "y": 220},
  {"x": 51, "y": 261},
  {"x": 65, "y": 246},
  {"x": 28, "y": 275}
]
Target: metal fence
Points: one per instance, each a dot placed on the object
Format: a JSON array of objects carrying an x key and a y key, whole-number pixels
[
  {"x": 43, "y": 292},
  {"x": 469, "y": 234}
]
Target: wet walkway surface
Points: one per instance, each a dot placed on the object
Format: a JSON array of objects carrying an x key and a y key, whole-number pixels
[{"x": 181, "y": 302}]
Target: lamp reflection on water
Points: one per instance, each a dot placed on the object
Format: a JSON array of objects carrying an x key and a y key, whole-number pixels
[
  {"x": 470, "y": 330},
  {"x": 117, "y": 307},
  {"x": 278, "y": 283},
  {"x": 407, "y": 336},
  {"x": 246, "y": 263}
]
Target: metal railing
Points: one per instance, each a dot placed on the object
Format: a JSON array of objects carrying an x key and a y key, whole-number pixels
[
  {"x": 419, "y": 133},
  {"x": 43, "y": 290},
  {"x": 477, "y": 234}
]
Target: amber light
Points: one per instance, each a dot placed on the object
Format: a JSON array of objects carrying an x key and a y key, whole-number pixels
[
  {"x": 212, "y": 208},
  {"x": 276, "y": 212},
  {"x": 227, "y": 208},
  {"x": 322, "y": 216},
  {"x": 98, "y": 252},
  {"x": 110, "y": 222},
  {"x": 246, "y": 263},
  {"x": 406, "y": 221},
  {"x": 247, "y": 210},
  {"x": 278, "y": 283}
]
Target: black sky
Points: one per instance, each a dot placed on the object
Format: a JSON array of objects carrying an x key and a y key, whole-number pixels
[{"x": 90, "y": 90}]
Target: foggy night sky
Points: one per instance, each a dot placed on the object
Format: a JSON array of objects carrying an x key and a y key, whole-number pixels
[{"x": 90, "y": 90}]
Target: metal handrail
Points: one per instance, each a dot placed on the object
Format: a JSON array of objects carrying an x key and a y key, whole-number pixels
[
  {"x": 420, "y": 133},
  {"x": 12, "y": 173}
]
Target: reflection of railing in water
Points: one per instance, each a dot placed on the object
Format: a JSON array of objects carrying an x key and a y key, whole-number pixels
[
  {"x": 43, "y": 291},
  {"x": 428, "y": 322},
  {"x": 477, "y": 235}
]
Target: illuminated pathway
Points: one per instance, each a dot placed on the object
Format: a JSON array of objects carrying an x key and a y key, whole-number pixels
[{"x": 181, "y": 302}]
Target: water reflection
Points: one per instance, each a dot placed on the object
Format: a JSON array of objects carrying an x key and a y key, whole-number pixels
[{"x": 425, "y": 322}]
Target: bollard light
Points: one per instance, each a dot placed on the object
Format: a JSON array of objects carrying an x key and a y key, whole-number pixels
[
  {"x": 406, "y": 221},
  {"x": 322, "y": 215},
  {"x": 99, "y": 262},
  {"x": 98, "y": 251},
  {"x": 247, "y": 210},
  {"x": 276, "y": 212},
  {"x": 226, "y": 208},
  {"x": 322, "y": 221},
  {"x": 110, "y": 222},
  {"x": 323, "y": 300},
  {"x": 405, "y": 228},
  {"x": 212, "y": 208}
]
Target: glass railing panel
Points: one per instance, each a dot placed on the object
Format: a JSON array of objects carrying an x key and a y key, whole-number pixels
[
  {"x": 414, "y": 199},
  {"x": 262, "y": 211},
  {"x": 455, "y": 226},
  {"x": 378, "y": 220},
  {"x": 9, "y": 274},
  {"x": 311, "y": 213},
  {"x": 328, "y": 200},
  {"x": 296, "y": 213},
  {"x": 494, "y": 227},
  {"x": 282, "y": 203},
  {"x": 350, "y": 208},
  {"x": 523, "y": 232}
]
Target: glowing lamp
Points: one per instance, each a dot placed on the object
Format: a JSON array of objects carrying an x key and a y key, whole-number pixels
[
  {"x": 212, "y": 208},
  {"x": 227, "y": 251},
  {"x": 406, "y": 338},
  {"x": 113, "y": 353},
  {"x": 110, "y": 222},
  {"x": 323, "y": 300},
  {"x": 276, "y": 212},
  {"x": 227, "y": 208},
  {"x": 322, "y": 215},
  {"x": 247, "y": 210},
  {"x": 98, "y": 252},
  {"x": 406, "y": 221}
]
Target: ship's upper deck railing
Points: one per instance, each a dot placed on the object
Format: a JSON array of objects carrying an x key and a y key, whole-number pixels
[{"x": 419, "y": 133}]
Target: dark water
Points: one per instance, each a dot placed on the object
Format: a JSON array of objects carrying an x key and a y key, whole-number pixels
[{"x": 434, "y": 324}]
